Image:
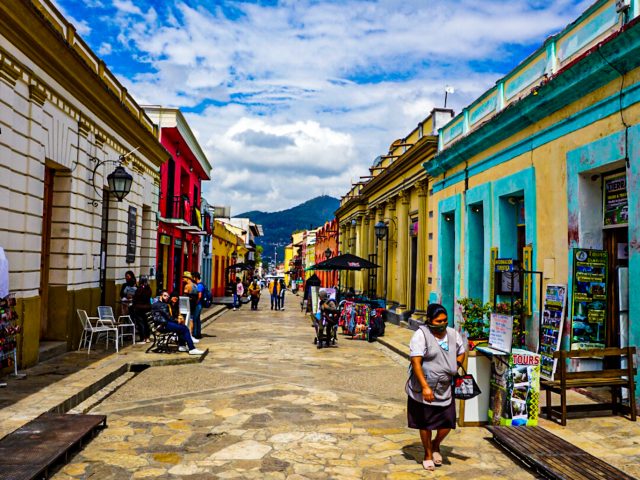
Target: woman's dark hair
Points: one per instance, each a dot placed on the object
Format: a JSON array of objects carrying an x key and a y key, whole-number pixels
[
  {"x": 435, "y": 309},
  {"x": 131, "y": 274}
]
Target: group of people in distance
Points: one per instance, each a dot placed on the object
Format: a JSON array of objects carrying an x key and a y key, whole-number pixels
[
  {"x": 277, "y": 289},
  {"x": 137, "y": 301}
]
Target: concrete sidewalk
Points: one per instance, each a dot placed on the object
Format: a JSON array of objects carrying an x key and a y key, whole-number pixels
[
  {"x": 62, "y": 382},
  {"x": 614, "y": 439}
]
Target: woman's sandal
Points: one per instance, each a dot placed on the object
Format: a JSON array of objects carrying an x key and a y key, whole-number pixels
[
  {"x": 437, "y": 459},
  {"x": 428, "y": 465}
]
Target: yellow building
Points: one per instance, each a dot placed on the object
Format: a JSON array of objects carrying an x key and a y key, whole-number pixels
[
  {"x": 225, "y": 242},
  {"x": 288, "y": 263},
  {"x": 394, "y": 199}
]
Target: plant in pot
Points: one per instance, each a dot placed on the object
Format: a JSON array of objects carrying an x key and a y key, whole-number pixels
[
  {"x": 519, "y": 333},
  {"x": 475, "y": 320}
]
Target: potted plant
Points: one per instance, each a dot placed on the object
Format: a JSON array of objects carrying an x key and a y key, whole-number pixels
[
  {"x": 475, "y": 320},
  {"x": 519, "y": 333}
]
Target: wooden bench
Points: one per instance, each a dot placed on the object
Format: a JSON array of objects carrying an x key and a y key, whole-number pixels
[
  {"x": 610, "y": 375},
  {"x": 552, "y": 456}
]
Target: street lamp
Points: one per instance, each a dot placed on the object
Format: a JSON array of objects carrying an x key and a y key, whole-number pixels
[
  {"x": 327, "y": 253},
  {"x": 381, "y": 230},
  {"x": 119, "y": 182}
]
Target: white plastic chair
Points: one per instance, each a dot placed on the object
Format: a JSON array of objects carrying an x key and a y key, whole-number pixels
[
  {"x": 91, "y": 325},
  {"x": 124, "y": 323},
  {"x": 184, "y": 308}
]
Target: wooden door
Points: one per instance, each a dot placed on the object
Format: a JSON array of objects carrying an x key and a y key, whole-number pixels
[{"x": 45, "y": 250}]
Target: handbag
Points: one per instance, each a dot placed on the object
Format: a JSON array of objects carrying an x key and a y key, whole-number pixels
[{"x": 465, "y": 386}]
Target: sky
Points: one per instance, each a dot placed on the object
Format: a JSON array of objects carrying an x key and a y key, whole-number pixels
[{"x": 296, "y": 98}]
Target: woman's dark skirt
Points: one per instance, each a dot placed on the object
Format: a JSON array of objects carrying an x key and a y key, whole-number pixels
[{"x": 430, "y": 417}]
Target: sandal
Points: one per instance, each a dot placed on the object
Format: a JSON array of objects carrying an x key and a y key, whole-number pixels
[
  {"x": 437, "y": 459},
  {"x": 429, "y": 465}
]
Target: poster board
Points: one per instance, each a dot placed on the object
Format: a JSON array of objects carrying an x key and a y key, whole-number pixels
[
  {"x": 551, "y": 328},
  {"x": 515, "y": 389},
  {"x": 589, "y": 298},
  {"x": 501, "y": 332},
  {"x": 315, "y": 304},
  {"x": 615, "y": 208}
]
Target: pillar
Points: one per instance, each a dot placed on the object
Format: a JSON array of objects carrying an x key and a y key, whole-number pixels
[
  {"x": 421, "y": 273},
  {"x": 400, "y": 293},
  {"x": 380, "y": 255}
]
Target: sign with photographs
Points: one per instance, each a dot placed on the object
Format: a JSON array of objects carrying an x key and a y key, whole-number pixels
[
  {"x": 589, "y": 303},
  {"x": 616, "y": 203},
  {"x": 551, "y": 328},
  {"x": 515, "y": 389}
]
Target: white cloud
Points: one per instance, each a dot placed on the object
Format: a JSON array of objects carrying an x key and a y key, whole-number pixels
[
  {"x": 105, "y": 49},
  {"x": 304, "y": 95}
]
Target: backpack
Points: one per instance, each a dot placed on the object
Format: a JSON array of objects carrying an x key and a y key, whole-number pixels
[{"x": 207, "y": 299}]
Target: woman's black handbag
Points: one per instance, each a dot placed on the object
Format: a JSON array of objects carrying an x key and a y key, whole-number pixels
[{"x": 465, "y": 386}]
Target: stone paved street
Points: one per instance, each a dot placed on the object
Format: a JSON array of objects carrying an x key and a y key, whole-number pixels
[{"x": 265, "y": 403}]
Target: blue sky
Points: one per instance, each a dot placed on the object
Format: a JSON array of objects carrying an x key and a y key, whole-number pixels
[{"x": 294, "y": 99}]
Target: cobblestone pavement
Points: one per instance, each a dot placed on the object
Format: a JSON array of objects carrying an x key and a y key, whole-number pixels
[{"x": 266, "y": 404}]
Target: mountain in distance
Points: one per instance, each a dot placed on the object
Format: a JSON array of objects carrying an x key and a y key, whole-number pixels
[{"x": 278, "y": 226}]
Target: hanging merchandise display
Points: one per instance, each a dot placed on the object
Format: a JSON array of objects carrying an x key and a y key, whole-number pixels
[
  {"x": 589, "y": 303},
  {"x": 514, "y": 389},
  {"x": 551, "y": 328},
  {"x": 355, "y": 320},
  {"x": 8, "y": 333}
]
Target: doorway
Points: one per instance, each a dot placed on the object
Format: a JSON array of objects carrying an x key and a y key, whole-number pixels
[
  {"x": 615, "y": 242},
  {"x": 414, "y": 273},
  {"x": 47, "y": 208}
]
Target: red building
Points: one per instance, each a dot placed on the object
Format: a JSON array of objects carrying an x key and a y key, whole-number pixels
[
  {"x": 326, "y": 247},
  {"x": 181, "y": 223}
]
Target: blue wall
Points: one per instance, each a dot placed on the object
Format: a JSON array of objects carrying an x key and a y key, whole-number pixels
[{"x": 449, "y": 252}]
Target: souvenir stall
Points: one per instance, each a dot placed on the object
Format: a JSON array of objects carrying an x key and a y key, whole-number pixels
[
  {"x": 8, "y": 333},
  {"x": 361, "y": 320}
]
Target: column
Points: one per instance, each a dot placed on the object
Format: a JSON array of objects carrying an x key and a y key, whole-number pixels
[
  {"x": 402, "y": 256},
  {"x": 358, "y": 283},
  {"x": 380, "y": 255},
  {"x": 421, "y": 273},
  {"x": 390, "y": 258},
  {"x": 366, "y": 220}
]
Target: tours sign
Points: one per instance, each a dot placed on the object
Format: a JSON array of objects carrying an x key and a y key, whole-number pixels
[
  {"x": 589, "y": 304},
  {"x": 616, "y": 204},
  {"x": 551, "y": 328}
]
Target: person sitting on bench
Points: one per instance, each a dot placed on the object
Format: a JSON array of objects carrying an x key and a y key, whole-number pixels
[{"x": 161, "y": 309}]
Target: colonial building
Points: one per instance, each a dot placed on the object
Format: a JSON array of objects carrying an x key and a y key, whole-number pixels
[
  {"x": 325, "y": 248},
  {"x": 66, "y": 123},
  {"x": 182, "y": 220},
  {"x": 542, "y": 171},
  {"x": 384, "y": 218}
]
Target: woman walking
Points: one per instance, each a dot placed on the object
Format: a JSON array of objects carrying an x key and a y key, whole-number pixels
[{"x": 435, "y": 351}]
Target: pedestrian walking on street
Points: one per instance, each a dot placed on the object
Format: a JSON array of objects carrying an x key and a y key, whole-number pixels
[
  {"x": 190, "y": 289},
  {"x": 436, "y": 350},
  {"x": 274, "y": 291},
  {"x": 254, "y": 293},
  {"x": 197, "y": 333},
  {"x": 283, "y": 289},
  {"x": 237, "y": 294}
]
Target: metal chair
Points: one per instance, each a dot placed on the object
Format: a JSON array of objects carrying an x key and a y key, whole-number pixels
[
  {"x": 124, "y": 322},
  {"x": 89, "y": 328},
  {"x": 184, "y": 308}
]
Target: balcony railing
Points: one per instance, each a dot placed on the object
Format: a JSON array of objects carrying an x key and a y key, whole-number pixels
[{"x": 180, "y": 208}]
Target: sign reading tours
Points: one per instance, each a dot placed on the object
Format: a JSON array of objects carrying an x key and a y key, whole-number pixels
[
  {"x": 551, "y": 328},
  {"x": 589, "y": 307},
  {"x": 616, "y": 204},
  {"x": 514, "y": 393}
]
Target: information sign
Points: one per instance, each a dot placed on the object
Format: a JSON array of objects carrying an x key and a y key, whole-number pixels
[
  {"x": 131, "y": 236},
  {"x": 616, "y": 204},
  {"x": 551, "y": 328},
  {"x": 589, "y": 303},
  {"x": 500, "y": 332}
]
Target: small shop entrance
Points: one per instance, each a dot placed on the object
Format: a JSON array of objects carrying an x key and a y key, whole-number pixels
[{"x": 616, "y": 244}]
